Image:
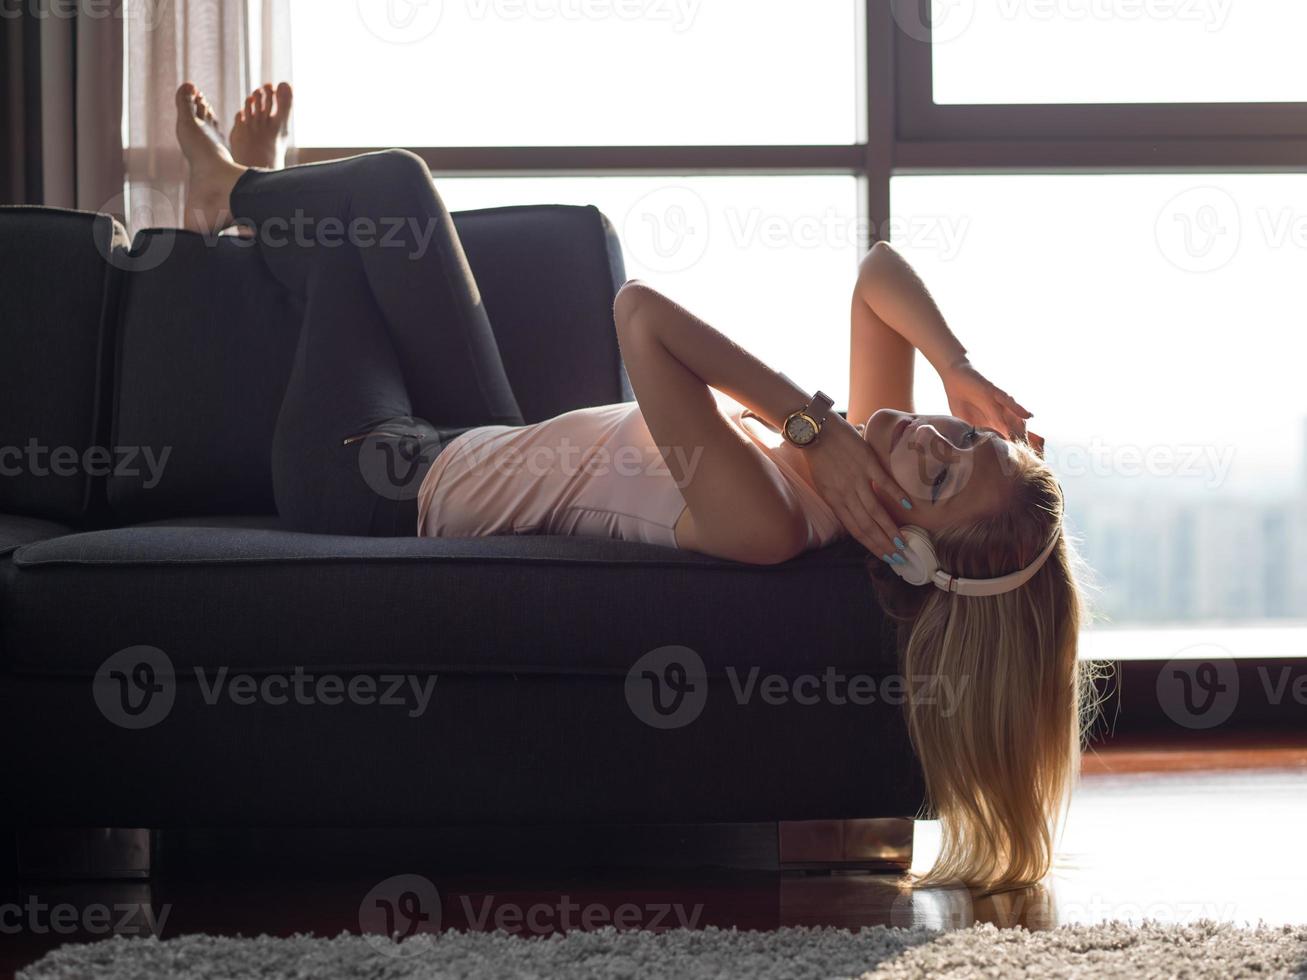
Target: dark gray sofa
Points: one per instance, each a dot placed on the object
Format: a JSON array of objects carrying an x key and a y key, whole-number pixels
[{"x": 111, "y": 351}]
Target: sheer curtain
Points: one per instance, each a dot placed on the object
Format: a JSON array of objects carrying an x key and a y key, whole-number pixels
[{"x": 226, "y": 47}]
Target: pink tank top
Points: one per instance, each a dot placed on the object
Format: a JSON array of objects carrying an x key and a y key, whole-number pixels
[{"x": 594, "y": 471}]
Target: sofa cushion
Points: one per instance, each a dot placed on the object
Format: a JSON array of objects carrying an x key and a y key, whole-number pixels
[
  {"x": 208, "y": 337},
  {"x": 16, "y": 531},
  {"x": 57, "y": 281},
  {"x": 270, "y": 601}
]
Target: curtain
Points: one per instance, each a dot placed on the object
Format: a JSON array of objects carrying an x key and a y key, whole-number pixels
[
  {"x": 61, "y": 111},
  {"x": 227, "y": 48}
]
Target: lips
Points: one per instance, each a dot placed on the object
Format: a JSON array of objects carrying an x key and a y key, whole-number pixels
[{"x": 897, "y": 434}]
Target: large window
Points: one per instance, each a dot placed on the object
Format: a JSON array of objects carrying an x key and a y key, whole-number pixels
[{"x": 1107, "y": 196}]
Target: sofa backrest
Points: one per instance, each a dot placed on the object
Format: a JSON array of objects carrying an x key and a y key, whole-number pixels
[
  {"x": 58, "y": 277},
  {"x": 548, "y": 275},
  {"x": 205, "y": 342},
  {"x": 206, "y": 339}
]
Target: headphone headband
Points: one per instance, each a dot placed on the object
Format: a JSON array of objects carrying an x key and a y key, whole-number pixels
[
  {"x": 995, "y": 586},
  {"x": 922, "y": 567}
]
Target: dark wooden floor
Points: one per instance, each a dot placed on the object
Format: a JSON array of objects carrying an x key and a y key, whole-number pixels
[{"x": 1155, "y": 831}]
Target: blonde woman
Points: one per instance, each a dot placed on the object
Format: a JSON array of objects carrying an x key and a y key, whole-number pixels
[{"x": 719, "y": 454}]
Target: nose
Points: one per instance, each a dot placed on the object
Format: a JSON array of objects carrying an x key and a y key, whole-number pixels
[
  {"x": 921, "y": 434},
  {"x": 928, "y": 441}
]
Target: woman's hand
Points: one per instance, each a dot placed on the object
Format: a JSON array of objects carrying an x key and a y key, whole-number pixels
[
  {"x": 844, "y": 469},
  {"x": 974, "y": 398}
]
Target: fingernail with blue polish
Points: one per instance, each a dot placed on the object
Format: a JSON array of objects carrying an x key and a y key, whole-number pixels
[
  {"x": 888, "y": 561},
  {"x": 898, "y": 560},
  {"x": 907, "y": 504},
  {"x": 898, "y": 543}
]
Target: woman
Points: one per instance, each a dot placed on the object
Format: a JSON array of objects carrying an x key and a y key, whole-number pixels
[{"x": 719, "y": 454}]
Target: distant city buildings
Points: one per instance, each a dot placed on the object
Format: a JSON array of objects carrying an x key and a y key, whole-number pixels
[{"x": 1160, "y": 558}]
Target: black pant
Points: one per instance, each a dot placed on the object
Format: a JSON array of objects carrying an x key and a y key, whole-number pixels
[{"x": 396, "y": 355}]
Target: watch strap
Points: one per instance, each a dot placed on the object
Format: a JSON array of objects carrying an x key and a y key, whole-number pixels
[{"x": 819, "y": 407}]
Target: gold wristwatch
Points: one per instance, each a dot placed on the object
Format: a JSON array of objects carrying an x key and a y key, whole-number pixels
[{"x": 802, "y": 428}]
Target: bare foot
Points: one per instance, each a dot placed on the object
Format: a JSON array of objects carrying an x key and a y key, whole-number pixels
[
  {"x": 213, "y": 173},
  {"x": 258, "y": 136}
]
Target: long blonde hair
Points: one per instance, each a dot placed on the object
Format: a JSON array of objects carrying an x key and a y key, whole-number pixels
[{"x": 1002, "y": 752}]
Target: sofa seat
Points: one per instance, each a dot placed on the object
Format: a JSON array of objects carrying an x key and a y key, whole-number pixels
[
  {"x": 256, "y": 600},
  {"x": 17, "y": 531},
  {"x": 523, "y": 644}
]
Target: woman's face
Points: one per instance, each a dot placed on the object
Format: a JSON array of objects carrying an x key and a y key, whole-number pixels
[{"x": 953, "y": 473}]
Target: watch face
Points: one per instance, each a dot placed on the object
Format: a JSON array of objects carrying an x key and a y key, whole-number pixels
[{"x": 800, "y": 430}]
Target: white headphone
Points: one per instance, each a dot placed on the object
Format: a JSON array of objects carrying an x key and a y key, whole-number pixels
[{"x": 922, "y": 566}]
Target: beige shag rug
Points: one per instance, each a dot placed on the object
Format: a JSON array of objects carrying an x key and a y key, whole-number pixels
[{"x": 1111, "y": 950}]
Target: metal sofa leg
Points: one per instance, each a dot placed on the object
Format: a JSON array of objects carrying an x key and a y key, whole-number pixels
[
  {"x": 882, "y": 844},
  {"x": 106, "y": 853}
]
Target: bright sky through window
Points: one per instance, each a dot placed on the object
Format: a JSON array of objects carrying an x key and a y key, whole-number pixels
[
  {"x": 1049, "y": 51},
  {"x": 574, "y": 72}
]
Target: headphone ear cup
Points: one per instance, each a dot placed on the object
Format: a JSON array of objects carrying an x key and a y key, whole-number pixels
[{"x": 919, "y": 557}]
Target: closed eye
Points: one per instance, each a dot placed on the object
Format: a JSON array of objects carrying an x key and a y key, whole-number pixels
[{"x": 938, "y": 485}]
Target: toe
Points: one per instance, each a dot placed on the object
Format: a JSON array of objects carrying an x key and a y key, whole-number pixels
[
  {"x": 260, "y": 103},
  {"x": 185, "y": 99},
  {"x": 285, "y": 99}
]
